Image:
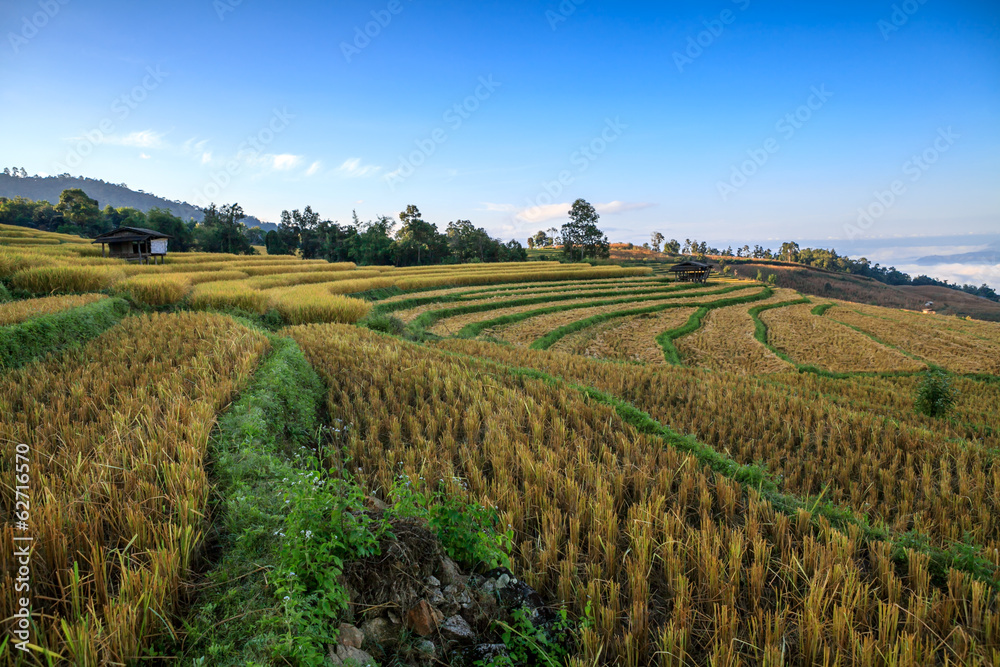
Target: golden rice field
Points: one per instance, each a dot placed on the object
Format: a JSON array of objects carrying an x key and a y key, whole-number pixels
[
  {"x": 816, "y": 340},
  {"x": 678, "y": 565},
  {"x": 630, "y": 338},
  {"x": 116, "y": 433},
  {"x": 15, "y": 312},
  {"x": 960, "y": 351},
  {"x": 299, "y": 290},
  {"x": 725, "y": 341},
  {"x": 696, "y": 477}
]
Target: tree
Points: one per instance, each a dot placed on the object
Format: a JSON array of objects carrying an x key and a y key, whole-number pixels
[
  {"x": 790, "y": 251},
  {"x": 541, "y": 239},
  {"x": 182, "y": 236},
  {"x": 222, "y": 230},
  {"x": 419, "y": 239},
  {"x": 553, "y": 237},
  {"x": 373, "y": 241},
  {"x": 80, "y": 213},
  {"x": 673, "y": 246},
  {"x": 531, "y": 243},
  {"x": 655, "y": 239},
  {"x": 580, "y": 236}
]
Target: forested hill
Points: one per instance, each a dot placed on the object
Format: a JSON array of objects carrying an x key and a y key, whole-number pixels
[{"x": 118, "y": 195}]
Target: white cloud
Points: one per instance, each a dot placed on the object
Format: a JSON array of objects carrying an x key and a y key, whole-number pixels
[
  {"x": 352, "y": 168},
  {"x": 206, "y": 157},
  {"x": 501, "y": 208},
  {"x": 621, "y": 207},
  {"x": 549, "y": 212},
  {"x": 313, "y": 168},
  {"x": 284, "y": 162},
  {"x": 143, "y": 139},
  {"x": 144, "y": 156}
]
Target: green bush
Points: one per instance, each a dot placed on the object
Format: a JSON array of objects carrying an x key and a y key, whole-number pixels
[
  {"x": 386, "y": 324},
  {"x": 935, "y": 396},
  {"x": 4, "y": 294}
]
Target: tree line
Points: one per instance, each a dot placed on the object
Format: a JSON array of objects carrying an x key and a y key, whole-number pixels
[{"x": 415, "y": 242}]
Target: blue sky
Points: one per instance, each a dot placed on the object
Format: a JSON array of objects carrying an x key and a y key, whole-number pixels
[{"x": 723, "y": 120}]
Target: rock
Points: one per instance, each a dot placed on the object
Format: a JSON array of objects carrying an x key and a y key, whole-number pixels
[
  {"x": 376, "y": 504},
  {"x": 423, "y": 619},
  {"x": 348, "y": 635},
  {"x": 379, "y": 631},
  {"x": 484, "y": 653},
  {"x": 348, "y": 656},
  {"x": 503, "y": 580},
  {"x": 449, "y": 572},
  {"x": 433, "y": 582},
  {"x": 435, "y": 597},
  {"x": 425, "y": 646},
  {"x": 457, "y": 629}
]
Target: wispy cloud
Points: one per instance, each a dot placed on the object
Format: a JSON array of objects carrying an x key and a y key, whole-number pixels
[
  {"x": 284, "y": 162},
  {"x": 500, "y": 208},
  {"x": 621, "y": 207},
  {"x": 352, "y": 168},
  {"x": 144, "y": 156},
  {"x": 549, "y": 212},
  {"x": 314, "y": 168},
  {"x": 142, "y": 139}
]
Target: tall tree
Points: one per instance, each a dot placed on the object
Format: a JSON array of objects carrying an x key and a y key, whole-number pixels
[
  {"x": 419, "y": 239},
  {"x": 655, "y": 239},
  {"x": 580, "y": 236},
  {"x": 181, "y": 232},
  {"x": 80, "y": 213},
  {"x": 222, "y": 230}
]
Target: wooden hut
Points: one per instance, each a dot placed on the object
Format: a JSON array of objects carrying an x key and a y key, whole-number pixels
[
  {"x": 691, "y": 272},
  {"x": 134, "y": 244}
]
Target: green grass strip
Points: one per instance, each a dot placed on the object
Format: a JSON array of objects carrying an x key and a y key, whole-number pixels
[
  {"x": 473, "y": 329},
  {"x": 29, "y": 340},
  {"x": 666, "y": 339},
  {"x": 821, "y": 308},
  {"x": 549, "y": 339},
  {"x": 235, "y": 619},
  {"x": 525, "y": 301}
]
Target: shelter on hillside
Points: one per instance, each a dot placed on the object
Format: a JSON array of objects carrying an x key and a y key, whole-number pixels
[
  {"x": 691, "y": 272},
  {"x": 134, "y": 244}
]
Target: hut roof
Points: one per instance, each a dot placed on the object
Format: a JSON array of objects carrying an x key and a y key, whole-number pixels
[
  {"x": 137, "y": 234},
  {"x": 689, "y": 266}
]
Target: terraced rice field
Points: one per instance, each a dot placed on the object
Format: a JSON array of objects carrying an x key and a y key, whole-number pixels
[
  {"x": 20, "y": 311},
  {"x": 755, "y": 485},
  {"x": 626, "y": 339},
  {"x": 814, "y": 340},
  {"x": 725, "y": 341},
  {"x": 960, "y": 352}
]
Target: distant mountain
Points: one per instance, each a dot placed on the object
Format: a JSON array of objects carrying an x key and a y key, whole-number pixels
[
  {"x": 991, "y": 255},
  {"x": 49, "y": 188}
]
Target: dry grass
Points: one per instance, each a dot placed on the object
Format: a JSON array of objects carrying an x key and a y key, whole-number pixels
[
  {"x": 725, "y": 341},
  {"x": 16, "y": 312},
  {"x": 628, "y": 339},
  {"x": 856, "y": 441},
  {"x": 958, "y": 351},
  {"x": 676, "y": 564},
  {"x": 818, "y": 341},
  {"x": 117, "y": 432}
]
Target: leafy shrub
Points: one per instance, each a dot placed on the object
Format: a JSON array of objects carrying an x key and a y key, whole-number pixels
[
  {"x": 470, "y": 534},
  {"x": 386, "y": 324},
  {"x": 935, "y": 396},
  {"x": 4, "y": 294}
]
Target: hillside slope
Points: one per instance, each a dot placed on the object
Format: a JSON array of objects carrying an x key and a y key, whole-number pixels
[{"x": 117, "y": 195}]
